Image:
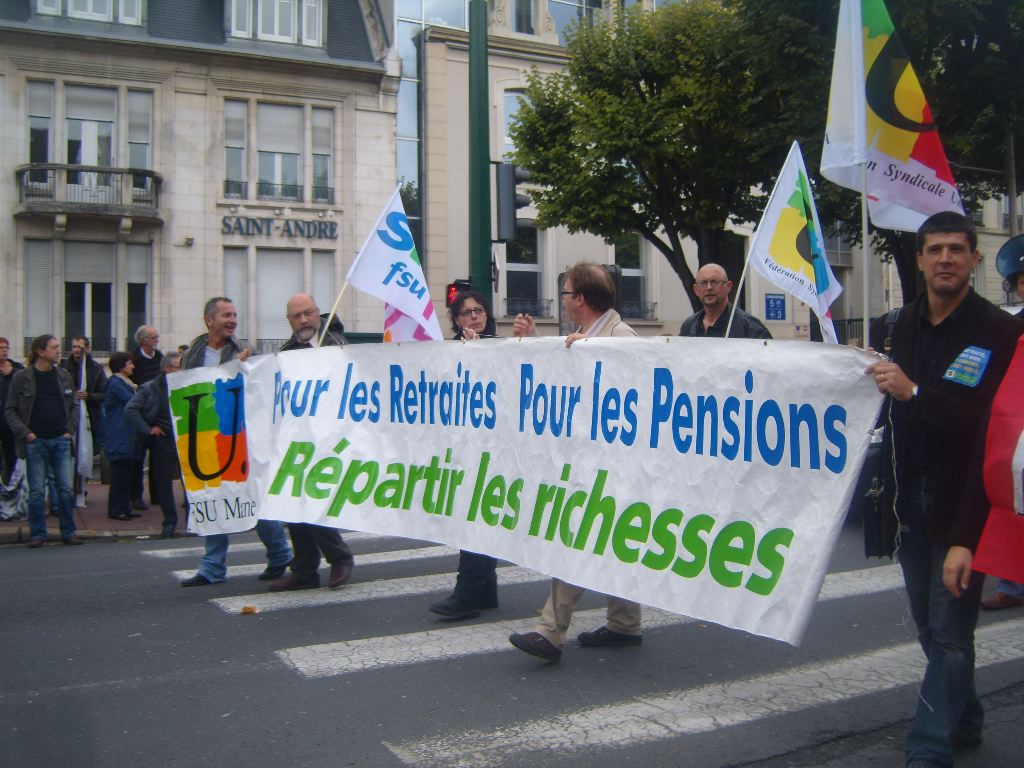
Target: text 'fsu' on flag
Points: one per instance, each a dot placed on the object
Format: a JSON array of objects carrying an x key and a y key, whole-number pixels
[
  {"x": 388, "y": 267},
  {"x": 788, "y": 248},
  {"x": 880, "y": 126}
]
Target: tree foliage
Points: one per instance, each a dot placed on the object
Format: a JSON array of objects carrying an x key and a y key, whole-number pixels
[{"x": 657, "y": 125}]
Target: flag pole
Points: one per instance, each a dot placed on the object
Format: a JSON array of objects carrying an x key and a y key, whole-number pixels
[
  {"x": 739, "y": 289},
  {"x": 866, "y": 248},
  {"x": 330, "y": 316}
]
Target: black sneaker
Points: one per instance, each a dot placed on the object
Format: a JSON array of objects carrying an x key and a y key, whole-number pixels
[
  {"x": 535, "y": 644},
  {"x": 603, "y": 636},
  {"x": 196, "y": 581}
]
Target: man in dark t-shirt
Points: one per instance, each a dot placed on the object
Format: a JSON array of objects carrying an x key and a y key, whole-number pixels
[{"x": 43, "y": 415}]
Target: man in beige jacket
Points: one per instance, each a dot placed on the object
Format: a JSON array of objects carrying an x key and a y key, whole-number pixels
[{"x": 588, "y": 297}]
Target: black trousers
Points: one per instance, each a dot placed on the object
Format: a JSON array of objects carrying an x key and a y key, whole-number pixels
[
  {"x": 308, "y": 542},
  {"x": 477, "y": 581},
  {"x": 119, "y": 499},
  {"x": 163, "y": 471},
  {"x": 137, "y": 474}
]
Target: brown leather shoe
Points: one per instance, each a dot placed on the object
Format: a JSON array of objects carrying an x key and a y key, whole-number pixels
[
  {"x": 36, "y": 543},
  {"x": 997, "y": 601},
  {"x": 292, "y": 582},
  {"x": 340, "y": 573},
  {"x": 72, "y": 541}
]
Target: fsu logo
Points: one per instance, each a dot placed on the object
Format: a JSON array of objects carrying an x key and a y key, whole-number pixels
[{"x": 210, "y": 421}]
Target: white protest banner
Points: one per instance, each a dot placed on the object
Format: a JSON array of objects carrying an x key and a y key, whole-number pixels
[
  {"x": 701, "y": 476},
  {"x": 208, "y": 415}
]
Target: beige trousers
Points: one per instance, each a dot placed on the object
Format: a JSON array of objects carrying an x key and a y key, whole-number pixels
[{"x": 623, "y": 616}]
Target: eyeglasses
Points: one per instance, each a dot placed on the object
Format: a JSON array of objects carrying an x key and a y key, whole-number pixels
[
  {"x": 474, "y": 312},
  {"x": 709, "y": 283},
  {"x": 568, "y": 293}
]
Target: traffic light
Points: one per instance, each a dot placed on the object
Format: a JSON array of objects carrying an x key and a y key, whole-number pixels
[
  {"x": 508, "y": 176},
  {"x": 454, "y": 289}
]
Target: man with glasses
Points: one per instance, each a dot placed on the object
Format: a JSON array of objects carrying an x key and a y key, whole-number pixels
[
  {"x": 588, "y": 298},
  {"x": 712, "y": 287},
  {"x": 309, "y": 541},
  {"x": 146, "y": 359}
]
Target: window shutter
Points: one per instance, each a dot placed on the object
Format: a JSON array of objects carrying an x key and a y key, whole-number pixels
[
  {"x": 88, "y": 262},
  {"x": 278, "y": 278},
  {"x": 38, "y": 279},
  {"x": 236, "y": 285}
]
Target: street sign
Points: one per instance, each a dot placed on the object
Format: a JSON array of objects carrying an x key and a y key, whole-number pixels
[{"x": 775, "y": 306}]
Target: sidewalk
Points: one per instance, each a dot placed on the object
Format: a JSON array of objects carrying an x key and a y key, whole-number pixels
[{"x": 94, "y": 524}]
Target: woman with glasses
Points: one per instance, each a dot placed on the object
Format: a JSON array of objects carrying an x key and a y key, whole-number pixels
[{"x": 476, "y": 585}]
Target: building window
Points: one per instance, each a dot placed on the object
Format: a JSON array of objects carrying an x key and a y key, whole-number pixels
[
  {"x": 523, "y": 10},
  {"x": 38, "y": 287},
  {"x": 128, "y": 11},
  {"x": 523, "y": 276},
  {"x": 322, "y": 290},
  {"x": 565, "y": 13},
  {"x": 629, "y": 258},
  {"x": 323, "y": 134},
  {"x": 88, "y": 292},
  {"x": 279, "y": 151},
  {"x": 40, "y": 130},
  {"x": 279, "y": 21},
  {"x": 236, "y": 285},
  {"x": 235, "y": 121},
  {"x": 278, "y": 278},
  {"x": 89, "y": 131},
  {"x": 512, "y": 102},
  {"x": 140, "y": 130},
  {"x": 1006, "y": 212},
  {"x": 48, "y": 7}
]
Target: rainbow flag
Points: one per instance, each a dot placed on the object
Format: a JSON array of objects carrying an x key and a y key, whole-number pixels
[
  {"x": 879, "y": 119},
  {"x": 788, "y": 248}
]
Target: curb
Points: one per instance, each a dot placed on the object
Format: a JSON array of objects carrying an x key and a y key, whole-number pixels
[{"x": 20, "y": 535}]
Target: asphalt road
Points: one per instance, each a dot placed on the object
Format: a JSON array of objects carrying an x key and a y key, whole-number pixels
[{"x": 108, "y": 662}]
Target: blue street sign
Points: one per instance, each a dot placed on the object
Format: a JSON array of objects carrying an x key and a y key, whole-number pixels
[{"x": 775, "y": 306}]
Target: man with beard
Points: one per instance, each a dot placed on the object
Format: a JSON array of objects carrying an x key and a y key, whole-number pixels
[{"x": 308, "y": 540}]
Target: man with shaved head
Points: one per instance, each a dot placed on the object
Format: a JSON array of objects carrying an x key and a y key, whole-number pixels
[
  {"x": 712, "y": 287},
  {"x": 310, "y": 541}
]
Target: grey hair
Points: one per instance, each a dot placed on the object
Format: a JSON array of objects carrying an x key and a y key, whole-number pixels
[
  {"x": 140, "y": 333},
  {"x": 170, "y": 359},
  {"x": 211, "y": 306}
]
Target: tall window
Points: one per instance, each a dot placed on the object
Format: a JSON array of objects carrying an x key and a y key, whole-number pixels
[
  {"x": 1006, "y": 212},
  {"x": 629, "y": 257},
  {"x": 235, "y": 119},
  {"x": 280, "y": 21},
  {"x": 40, "y": 130},
  {"x": 140, "y": 130},
  {"x": 523, "y": 10},
  {"x": 323, "y": 134},
  {"x": 512, "y": 100},
  {"x": 278, "y": 278},
  {"x": 89, "y": 131},
  {"x": 568, "y": 12},
  {"x": 137, "y": 289},
  {"x": 279, "y": 151},
  {"x": 38, "y": 287},
  {"x": 88, "y": 292},
  {"x": 236, "y": 286},
  {"x": 522, "y": 275}
]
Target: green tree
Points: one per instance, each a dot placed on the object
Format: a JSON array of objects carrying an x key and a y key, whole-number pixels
[{"x": 659, "y": 124}]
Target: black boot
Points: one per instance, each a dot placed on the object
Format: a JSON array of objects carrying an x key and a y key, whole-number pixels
[{"x": 455, "y": 608}]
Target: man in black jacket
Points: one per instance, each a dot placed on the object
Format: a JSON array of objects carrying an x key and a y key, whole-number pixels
[
  {"x": 950, "y": 350},
  {"x": 309, "y": 540},
  {"x": 712, "y": 286},
  {"x": 146, "y": 358},
  {"x": 90, "y": 383}
]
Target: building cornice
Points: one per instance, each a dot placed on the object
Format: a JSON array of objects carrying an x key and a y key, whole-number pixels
[{"x": 499, "y": 45}]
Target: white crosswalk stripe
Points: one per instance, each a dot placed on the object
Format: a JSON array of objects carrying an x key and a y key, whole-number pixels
[
  {"x": 377, "y": 558},
  {"x": 358, "y": 592},
  {"x": 169, "y": 553},
  {"x": 710, "y": 708},
  {"x": 331, "y": 659}
]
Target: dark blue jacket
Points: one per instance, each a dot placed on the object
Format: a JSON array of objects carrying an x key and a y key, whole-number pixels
[{"x": 120, "y": 438}]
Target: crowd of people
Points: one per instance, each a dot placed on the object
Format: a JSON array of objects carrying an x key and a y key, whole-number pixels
[{"x": 936, "y": 409}]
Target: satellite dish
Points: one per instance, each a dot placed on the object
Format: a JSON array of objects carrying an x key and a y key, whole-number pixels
[{"x": 1010, "y": 259}]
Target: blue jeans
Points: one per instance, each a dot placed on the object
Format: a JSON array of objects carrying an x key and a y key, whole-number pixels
[
  {"x": 1011, "y": 588},
  {"x": 42, "y": 456},
  {"x": 948, "y": 706},
  {"x": 271, "y": 532}
]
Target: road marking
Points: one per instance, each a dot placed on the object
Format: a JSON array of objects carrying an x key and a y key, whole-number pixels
[
  {"x": 377, "y": 558},
  {"x": 360, "y": 591},
  {"x": 646, "y": 719},
  {"x": 253, "y": 546},
  {"x": 330, "y": 659}
]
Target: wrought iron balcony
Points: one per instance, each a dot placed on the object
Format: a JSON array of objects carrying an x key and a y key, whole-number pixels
[
  {"x": 59, "y": 188},
  {"x": 267, "y": 191},
  {"x": 323, "y": 195},
  {"x": 236, "y": 189}
]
